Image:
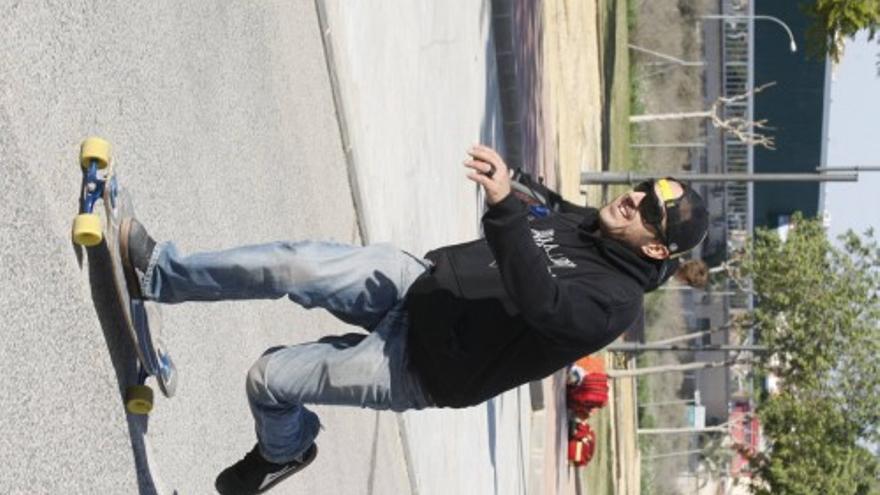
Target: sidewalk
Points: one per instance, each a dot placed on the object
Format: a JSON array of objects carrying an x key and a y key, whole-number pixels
[
  {"x": 417, "y": 86},
  {"x": 549, "y": 72}
]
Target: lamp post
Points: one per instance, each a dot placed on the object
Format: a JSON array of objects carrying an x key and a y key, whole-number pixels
[
  {"x": 792, "y": 45},
  {"x": 635, "y": 178}
]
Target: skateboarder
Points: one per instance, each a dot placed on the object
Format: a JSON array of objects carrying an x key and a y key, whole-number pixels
[{"x": 453, "y": 329}]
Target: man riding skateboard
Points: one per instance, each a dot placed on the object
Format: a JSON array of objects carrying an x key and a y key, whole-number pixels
[{"x": 454, "y": 329}]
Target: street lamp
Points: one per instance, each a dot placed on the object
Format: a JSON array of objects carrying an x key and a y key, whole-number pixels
[{"x": 792, "y": 46}]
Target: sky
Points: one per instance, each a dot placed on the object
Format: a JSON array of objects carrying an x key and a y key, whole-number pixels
[{"x": 854, "y": 138}]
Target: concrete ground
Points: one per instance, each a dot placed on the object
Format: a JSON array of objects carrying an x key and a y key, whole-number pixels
[
  {"x": 226, "y": 133},
  {"x": 416, "y": 93}
]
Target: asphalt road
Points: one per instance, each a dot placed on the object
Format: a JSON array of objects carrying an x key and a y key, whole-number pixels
[{"x": 225, "y": 132}]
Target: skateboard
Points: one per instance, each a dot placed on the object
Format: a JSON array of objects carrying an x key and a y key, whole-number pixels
[{"x": 141, "y": 319}]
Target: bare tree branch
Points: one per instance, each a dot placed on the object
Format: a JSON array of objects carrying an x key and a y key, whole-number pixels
[{"x": 746, "y": 131}]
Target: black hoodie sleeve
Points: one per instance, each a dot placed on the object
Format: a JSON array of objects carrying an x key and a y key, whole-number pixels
[{"x": 563, "y": 309}]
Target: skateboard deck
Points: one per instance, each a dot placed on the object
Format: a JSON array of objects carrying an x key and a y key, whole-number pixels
[{"x": 141, "y": 319}]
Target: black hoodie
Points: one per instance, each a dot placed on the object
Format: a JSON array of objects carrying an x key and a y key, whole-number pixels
[{"x": 534, "y": 296}]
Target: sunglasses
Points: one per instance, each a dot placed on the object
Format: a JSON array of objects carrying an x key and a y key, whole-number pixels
[{"x": 652, "y": 208}]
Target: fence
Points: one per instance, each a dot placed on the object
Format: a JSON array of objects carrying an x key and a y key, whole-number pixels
[{"x": 737, "y": 76}]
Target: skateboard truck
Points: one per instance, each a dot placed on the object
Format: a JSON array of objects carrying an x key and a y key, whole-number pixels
[{"x": 94, "y": 156}]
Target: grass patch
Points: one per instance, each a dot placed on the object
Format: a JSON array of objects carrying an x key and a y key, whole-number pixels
[
  {"x": 636, "y": 107},
  {"x": 615, "y": 21},
  {"x": 614, "y": 37},
  {"x": 654, "y": 306},
  {"x": 620, "y": 89},
  {"x": 598, "y": 476},
  {"x": 663, "y": 321},
  {"x": 646, "y": 420}
]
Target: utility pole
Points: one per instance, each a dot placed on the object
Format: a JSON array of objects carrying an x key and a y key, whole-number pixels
[
  {"x": 857, "y": 168},
  {"x": 688, "y": 336},
  {"x": 688, "y": 288},
  {"x": 672, "y": 454},
  {"x": 634, "y": 178},
  {"x": 696, "y": 144},
  {"x": 664, "y": 431},
  {"x": 668, "y": 58},
  {"x": 652, "y": 370},
  {"x": 638, "y": 347},
  {"x": 630, "y": 178},
  {"x": 669, "y": 403}
]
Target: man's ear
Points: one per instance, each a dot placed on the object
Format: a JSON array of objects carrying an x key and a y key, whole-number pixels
[{"x": 655, "y": 250}]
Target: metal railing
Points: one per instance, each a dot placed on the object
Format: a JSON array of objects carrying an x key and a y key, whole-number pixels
[{"x": 737, "y": 76}]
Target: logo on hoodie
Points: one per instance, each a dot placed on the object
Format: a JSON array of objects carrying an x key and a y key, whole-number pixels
[{"x": 546, "y": 240}]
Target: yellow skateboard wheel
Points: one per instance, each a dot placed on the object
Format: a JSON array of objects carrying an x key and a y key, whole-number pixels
[
  {"x": 139, "y": 399},
  {"x": 94, "y": 148},
  {"x": 87, "y": 229}
]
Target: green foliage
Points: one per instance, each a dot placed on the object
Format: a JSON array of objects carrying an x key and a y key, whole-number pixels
[
  {"x": 813, "y": 450},
  {"x": 834, "y": 20},
  {"x": 632, "y": 15},
  {"x": 818, "y": 312},
  {"x": 789, "y": 279}
]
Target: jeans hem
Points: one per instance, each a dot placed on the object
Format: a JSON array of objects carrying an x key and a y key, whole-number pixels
[{"x": 147, "y": 281}]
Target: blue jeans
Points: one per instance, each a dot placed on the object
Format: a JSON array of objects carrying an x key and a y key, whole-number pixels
[{"x": 363, "y": 286}]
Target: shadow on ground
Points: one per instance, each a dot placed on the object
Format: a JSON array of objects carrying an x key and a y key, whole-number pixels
[{"x": 123, "y": 357}]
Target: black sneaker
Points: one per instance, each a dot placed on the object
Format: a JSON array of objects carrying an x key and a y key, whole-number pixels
[
  {"x": 135, "y": 247},
  {"x": 253, "y": 474}
]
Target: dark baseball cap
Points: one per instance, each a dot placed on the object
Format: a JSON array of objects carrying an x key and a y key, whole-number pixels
[{"x": 687, "y": 220}]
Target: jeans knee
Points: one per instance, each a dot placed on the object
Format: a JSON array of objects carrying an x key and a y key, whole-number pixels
[{"x": 256, "y": 383}]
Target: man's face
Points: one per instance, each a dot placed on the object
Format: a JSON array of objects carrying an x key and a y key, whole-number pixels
[{"x": 621, "y": 220}]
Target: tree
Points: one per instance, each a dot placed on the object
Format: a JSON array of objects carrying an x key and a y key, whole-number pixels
[
  {"x": 747, "y": 131},
  {"x": 818, "y": 312},
  {"x": 835, "y": 20},
  {"x": 814, "y": 450}
]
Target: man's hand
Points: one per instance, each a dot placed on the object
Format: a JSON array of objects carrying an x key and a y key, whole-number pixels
[{"x": 490, "y": 171}]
